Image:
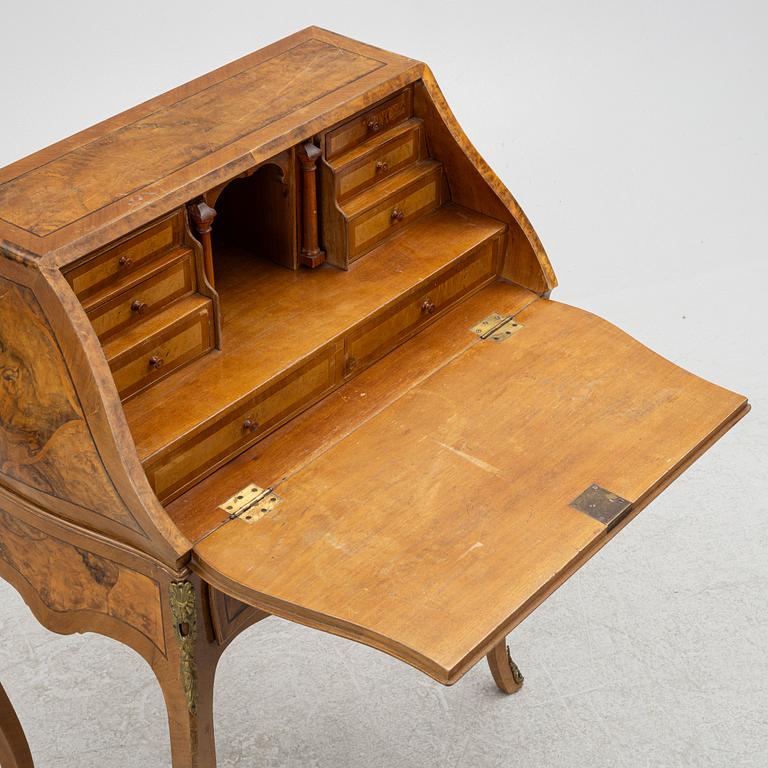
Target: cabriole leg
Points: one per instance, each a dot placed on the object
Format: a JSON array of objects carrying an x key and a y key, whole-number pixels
[
  {"x": 14, "y": 750},
  {"x": 505, "y": 672},
  {"x": 192, "y": 736},
  {"x": 187, "y": 679}
]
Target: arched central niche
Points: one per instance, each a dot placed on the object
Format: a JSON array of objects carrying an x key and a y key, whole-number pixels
[{"x": 256, "y": 220}]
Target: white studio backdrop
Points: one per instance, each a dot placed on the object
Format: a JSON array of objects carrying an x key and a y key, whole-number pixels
[{"x": 634, "y": 136}]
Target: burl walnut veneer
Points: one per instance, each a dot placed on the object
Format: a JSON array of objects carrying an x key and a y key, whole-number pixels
[{"x": 279, "y": 342}]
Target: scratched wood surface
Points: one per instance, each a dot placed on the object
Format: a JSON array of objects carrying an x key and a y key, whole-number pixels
[
  {"x": 431, "y": 528},
  {"x": 278, "y": 455}
]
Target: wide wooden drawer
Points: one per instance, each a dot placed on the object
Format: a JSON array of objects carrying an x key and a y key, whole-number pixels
[
  {"x": 372, "y": 225},
  {"x": 173, "y": 469},
  {"x": 369, "y": 123},
  {"x": 382, "y": 333},
  {"x": 155, "y": 287},
  {"x": 378, "y": 162},
  {"x": 97, "y": 271},
  {"x": 176, "y": 337}
]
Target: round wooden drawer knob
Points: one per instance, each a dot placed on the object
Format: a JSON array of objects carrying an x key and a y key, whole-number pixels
[
  {"x": 250, "y": 426},
  {"x": 156, "y": 362},
  {"x": 428, "y": 307},
  {"x": 382, "y": 166},
  {"x": 397, "y": 214},
  {"x": 373, "y": 125},
  {"x": 139, "y": 307},
  {"x": 125, "y": 261}
]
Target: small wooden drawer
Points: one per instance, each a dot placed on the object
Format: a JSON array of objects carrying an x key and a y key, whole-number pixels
[
  {"x": 173, "y": 469},
  {"x": 96, "y": 272},
  {"x": 421, "y": 195},
  {"x": 171, "y": 339},
  {"x": 385, "y": 331},
  {"x": 372, "y": 164},
  {"x": 369, "y": 123},
  {"x": 140, "y": 295}
]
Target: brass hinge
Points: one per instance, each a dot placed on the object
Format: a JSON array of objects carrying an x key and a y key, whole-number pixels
[
  {"x": 497, "y": 327},
  {"x": 251, "y": 504}
]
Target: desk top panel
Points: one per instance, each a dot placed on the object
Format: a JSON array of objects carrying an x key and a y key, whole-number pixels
[{"x": 102, "y": 183}]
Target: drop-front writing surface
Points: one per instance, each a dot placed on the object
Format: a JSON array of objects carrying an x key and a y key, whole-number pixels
[
  {"x": 280, "y": 342},
  {"x": 435, "y": 524}
]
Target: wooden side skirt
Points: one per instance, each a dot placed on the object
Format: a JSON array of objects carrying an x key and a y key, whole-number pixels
[{"x": 170, "y": 618}]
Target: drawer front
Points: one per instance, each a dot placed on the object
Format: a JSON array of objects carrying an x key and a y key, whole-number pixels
[
  {"x": 378, "y": 164},
  {"x": 156, "y": 357},
  {"x": 370, "y": 227},
  {"x": 138, "y": 302},
  {"x": 384, "y": 332},
  {"x": 172, "y": 471},
  {"x": 96, "y": 272},
  {"x": 375, "y": 120}
]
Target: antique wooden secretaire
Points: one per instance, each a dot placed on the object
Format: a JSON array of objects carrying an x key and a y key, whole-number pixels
[{"x": 279, "y": 342}]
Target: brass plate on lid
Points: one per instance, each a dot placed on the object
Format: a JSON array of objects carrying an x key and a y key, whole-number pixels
[{"x": 602, "y": 505}]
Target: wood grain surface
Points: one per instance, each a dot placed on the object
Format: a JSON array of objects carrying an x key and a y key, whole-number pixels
[
  {"x": 430, "y": 529},
  {"x": 475, "y": 185},
  {"x": 45, "y": 443},
  {"x": 424, "y": 476},
  {"x": 307, "y": 310},
  {"x": 77, "y": 581},
  {"x": 106, "y": 204},
  {"x": 104, "y": 182},
  {"x": 384, "y": 154},
  {"x": 68, "y": 578},
  {"x": 109, "y": 266},
  {"x": 277, "y": 456}
]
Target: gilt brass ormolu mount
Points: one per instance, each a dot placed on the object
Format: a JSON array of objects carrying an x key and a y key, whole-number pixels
[{"x": 184, "y": 612}]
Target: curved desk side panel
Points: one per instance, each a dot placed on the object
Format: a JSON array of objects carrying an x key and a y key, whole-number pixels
[
  {"x": 474, "y": 185},
  {"x": 64, "y": 443}
]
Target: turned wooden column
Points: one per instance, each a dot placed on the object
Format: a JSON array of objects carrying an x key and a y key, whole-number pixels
[
  {"x": 202, "y": 216},
  {"x": 311, "y": 253}
]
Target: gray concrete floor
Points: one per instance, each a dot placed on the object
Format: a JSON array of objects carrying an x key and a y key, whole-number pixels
[{"x": 635, "y": 137}]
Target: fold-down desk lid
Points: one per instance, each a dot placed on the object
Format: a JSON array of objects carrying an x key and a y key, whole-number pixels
[{"x": 439, "y": 522}]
